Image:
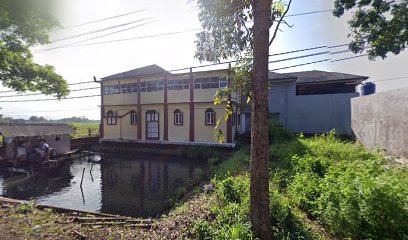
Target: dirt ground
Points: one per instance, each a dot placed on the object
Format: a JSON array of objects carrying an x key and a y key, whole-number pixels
[{"x": 22, "y": 222}]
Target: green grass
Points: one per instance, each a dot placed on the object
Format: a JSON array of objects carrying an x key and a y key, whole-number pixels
[
  {"x": 320, "y": 181},
  {"x": 81, "y": 129}
]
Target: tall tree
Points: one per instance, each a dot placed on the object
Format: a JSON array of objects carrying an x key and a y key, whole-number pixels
[
  {"x": 381, "y": 26},
  {"x": 24, "y": 24},
  {"x": 240, "y": 29}
]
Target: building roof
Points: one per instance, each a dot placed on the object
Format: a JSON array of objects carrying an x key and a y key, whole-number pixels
[
  {"x": 323, "y": 76},
  {"x": 138, "y": 72},
  {"x": 280, "y": 76},
  {"x": 35, "y": 130}
]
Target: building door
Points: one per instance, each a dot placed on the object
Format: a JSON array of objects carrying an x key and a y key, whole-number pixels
[{"x": 152, "y": 125}]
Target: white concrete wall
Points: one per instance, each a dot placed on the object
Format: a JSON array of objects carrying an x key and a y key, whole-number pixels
[{"x": 381, "y": 119}]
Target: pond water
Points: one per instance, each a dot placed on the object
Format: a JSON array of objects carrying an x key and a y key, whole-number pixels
[{"x": 138, "y": 186}]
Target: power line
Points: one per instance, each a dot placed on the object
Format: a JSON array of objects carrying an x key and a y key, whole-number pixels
[
  {"x": 271, "y": 55},
  {"x": 308, "y": 13},
  {"x": 134, "y": 38},
  {"x": 390, "y": 79},
  {"x": 342, "y": 59},
  {"x": 36, "y": 94},
  {"x": 303, "y": 64},
  {"x": 88, "y": 39},
  {"x": 99, "y": 30},
  {"x": 48, "y": 99},
  {"x": 303, "y": 56},
  {"x": 70, "y": 84},
  {"x": 100, "y": 20},
  {"x": 62, "y": 110}
]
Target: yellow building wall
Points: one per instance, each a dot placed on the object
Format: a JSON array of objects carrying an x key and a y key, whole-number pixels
[
  {"x": 123, "y": 128},
  {"x": 178, "y": 96},
  {"x": 205, "y": 95},
  {"x": 152, "y": 97},
  {"x": 120, "y": 99},
  {"x": 205, "y": 133},
  {"x": 177, "y": 132}
]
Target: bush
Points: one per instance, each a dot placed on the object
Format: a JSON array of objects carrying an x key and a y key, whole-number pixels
[
  {"x": 277, "y": 132},
  {"x": 231, "y": 216},
  {"x": 349, "y": 189}
]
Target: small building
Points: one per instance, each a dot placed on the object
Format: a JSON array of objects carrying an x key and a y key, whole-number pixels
[
  {"x": 313, "y": 102},
  {"x": 19, "y": 139},
  {"x": 152, "y": 105}
]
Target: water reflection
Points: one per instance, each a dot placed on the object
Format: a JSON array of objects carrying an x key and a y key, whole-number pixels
[{"x": 135, "y": 186}]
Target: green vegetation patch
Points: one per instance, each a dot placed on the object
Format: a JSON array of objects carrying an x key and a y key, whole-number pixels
[{"x": 320, "y": 187}]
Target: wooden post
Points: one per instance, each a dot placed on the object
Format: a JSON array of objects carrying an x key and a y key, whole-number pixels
[
  {"x": 139, "y": 112},
  {"x": 82, "y": 179},
  {"x": 191, "y": 106},
  {"x": 166, "y": 112}
]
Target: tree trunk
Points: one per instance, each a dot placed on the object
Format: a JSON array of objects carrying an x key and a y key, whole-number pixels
[{"x": 259, "y": 204}]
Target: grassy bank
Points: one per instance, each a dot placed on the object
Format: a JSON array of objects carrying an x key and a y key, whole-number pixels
[
  {"x": 82, "y": 129},
  {"x": 321, "y": 187}
]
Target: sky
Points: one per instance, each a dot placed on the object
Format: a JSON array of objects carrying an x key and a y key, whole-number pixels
[{"x": 81, "y": 63}]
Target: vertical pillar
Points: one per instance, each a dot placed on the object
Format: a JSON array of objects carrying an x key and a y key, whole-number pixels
[
  {"x": 139, "y": 112},
  {"x": 191, "y": 106},
  {"x": 229, "y": 121},
  {"x": 101, "y": 125},
  {"x": 166, "y": 113}
]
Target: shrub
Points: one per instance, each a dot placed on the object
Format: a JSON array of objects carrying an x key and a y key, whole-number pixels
[
  {"x": 277, "y": 132},
  {"x": 24, "y": 208},
  {"x": 350, "y": 189},
  {"x": 232, "y": 189}
]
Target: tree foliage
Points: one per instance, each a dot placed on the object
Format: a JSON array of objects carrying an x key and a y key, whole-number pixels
[
  {"x": 24, "y": 24},
  {"x": 379, "y": 25}
]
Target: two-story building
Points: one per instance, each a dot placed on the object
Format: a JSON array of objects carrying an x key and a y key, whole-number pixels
[{"x": 151, "y": 105}]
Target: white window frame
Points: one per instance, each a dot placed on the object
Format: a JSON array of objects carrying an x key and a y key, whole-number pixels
[
  {"x": 210, "y": 117},
  {"x": 133, "y": 118}
]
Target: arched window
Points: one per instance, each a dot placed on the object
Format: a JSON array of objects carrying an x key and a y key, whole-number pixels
[
  {"x": 133, "y": 118},
  {"x": 152, "y": 125},
  {"x": 178, "y": 117},
  {"x": 209, "y": 116},
  {"x": 111, "y": 117}
]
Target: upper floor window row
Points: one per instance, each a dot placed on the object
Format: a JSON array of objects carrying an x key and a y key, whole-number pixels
[
  {"x": 214, "y": 82},
  {"x": 158, "y": 85},
  {"x": 122, "y": 88}
]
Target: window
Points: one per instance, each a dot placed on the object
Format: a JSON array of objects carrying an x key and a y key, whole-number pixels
[
  {"x": 152, "y": 86},
  {"x": 143, "y": 86},
  {"x": 209, "y": 116},
  {"x": 178, "y": 117},
  {"x": 112, "y": 89},
  {"x": 122, "y": 88},
  {"x": 134, "y": 87},
  {"x": 133, "y": 118},
  {"x": 223, "y": 83},
  {"x": 178, "y": 84},
  {"x": 126, "y": 88},
  {"x": 214, "y": 82},
  {"x": 160, "y": 85},
  {"x": 111, "y": 117},
  {"x": 152, "y": 125}
]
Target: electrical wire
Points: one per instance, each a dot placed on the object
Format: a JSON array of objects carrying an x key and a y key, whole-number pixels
[
  {"x": 99, "y": 30},
  {"x": 36, "y": 94},
  {"x": 49, "y": 99},
  {"x": 70, "y": 84},
  {"x": 133, "y": 38},
  {"x": 100, "y": 20},
  {"x": 92, "y": 38},
  {"x": 61, "y": 110}
]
